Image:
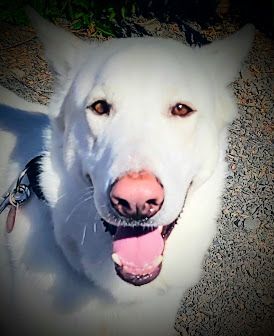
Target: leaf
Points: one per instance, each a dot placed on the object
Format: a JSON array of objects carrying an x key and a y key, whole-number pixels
[
  {"x": 77, "y": 25},
  {"x": 112, "y": 14},
  {"x": 86, "y": 19},
  {"x": 105, "y": 30},
  {"x": 133, "y": 9},
  {"x": 123, "y": 12},
  {"x": 78, "y": 15}
]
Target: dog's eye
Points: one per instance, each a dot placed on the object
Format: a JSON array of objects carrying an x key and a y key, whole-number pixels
[
  {"x": 100, "y": 107},
  {"x": 181, "y": 110}
]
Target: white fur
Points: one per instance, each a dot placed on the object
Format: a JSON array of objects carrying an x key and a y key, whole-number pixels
[{"x": 142, "y": 78}]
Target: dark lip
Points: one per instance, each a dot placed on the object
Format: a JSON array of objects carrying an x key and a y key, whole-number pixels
[
  {"x": 137, "y": 280},
  {"x": 166, "y": 231}
]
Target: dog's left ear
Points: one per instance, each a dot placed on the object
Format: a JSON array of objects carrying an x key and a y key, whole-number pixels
[
  {"x": 63, "y": 50},
  {"x": 225, "y": 57}
]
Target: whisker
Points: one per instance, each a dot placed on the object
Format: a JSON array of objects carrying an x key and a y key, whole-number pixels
[
  {"x": 61, "y": 196},
  {"x": 96, "y": 216},
  {"x": 84, "y": 235},
  {"x": 87, "y": 190},
  {"x": 77, "y": 206}
]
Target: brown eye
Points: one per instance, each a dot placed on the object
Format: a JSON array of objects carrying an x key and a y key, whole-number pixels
[
  {"x": 181, "y": 110},
  {"x": 100, "y": 107}
]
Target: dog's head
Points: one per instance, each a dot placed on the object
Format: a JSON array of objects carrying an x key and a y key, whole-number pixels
[{"x": 139, "y": 120}]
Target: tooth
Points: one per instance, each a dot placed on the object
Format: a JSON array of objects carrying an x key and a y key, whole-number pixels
[
  {"x": 116, "y": 259},
  {"x": 158, "y": 260}
]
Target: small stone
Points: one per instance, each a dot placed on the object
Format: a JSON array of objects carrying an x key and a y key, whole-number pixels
[
  {"x": 233, "y": 167},
  {"x": 18, "y": 73},
  {"x": 183, "y": 332},
  {"x": 251, "y": 223},
  {"x": 267, "y": 299},
  {"x": 237, "y": 222}
]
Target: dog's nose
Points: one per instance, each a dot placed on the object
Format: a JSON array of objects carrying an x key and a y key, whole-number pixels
[{"x": 137, "y": 195}]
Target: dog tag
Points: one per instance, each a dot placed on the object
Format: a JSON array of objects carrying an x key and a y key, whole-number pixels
[
  {"x": 11, "y": 219},
  {"x": 12, "y": 212},
  {"x": 17, "y": 197}
]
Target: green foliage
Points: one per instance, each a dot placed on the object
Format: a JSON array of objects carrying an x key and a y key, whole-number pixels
[
  {"x": 82, "y": 14},
  {"x": 11, "y": 11}
]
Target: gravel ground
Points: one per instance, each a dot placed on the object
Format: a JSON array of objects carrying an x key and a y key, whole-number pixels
[{"x": 235, "y": 294}]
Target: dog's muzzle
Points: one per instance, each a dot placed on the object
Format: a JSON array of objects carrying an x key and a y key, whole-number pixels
[{"x": 138, "y": 245}]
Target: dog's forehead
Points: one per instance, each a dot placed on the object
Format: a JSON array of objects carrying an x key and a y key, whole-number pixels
[
  {"x": 149, "y": 58},
  {"x": 135, "y": 67},
  {"x": 157, "y": 69}
]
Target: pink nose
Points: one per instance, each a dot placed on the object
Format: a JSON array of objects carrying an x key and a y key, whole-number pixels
[{"x": 137, "y": 195}]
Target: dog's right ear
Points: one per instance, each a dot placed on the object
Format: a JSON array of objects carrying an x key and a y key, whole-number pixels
[
  {"x": 61, "y": 47},
  {"x": 226, "y": 56}
]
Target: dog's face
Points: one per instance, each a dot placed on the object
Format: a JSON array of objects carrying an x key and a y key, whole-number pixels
[
  {"x": 139, "y": 120},
  {"x": 139, "y": 150},
  {"x": 123, "y": 130}
]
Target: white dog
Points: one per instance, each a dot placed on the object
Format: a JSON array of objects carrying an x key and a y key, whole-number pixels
[{"x": 127, "y": 186}]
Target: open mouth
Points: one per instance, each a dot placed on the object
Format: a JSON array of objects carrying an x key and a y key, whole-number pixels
[{"x": 138, "y": 251}]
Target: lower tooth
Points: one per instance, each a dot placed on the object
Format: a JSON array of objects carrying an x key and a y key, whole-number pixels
[
  {"x": 158, "y": 260},
  {"x": 116, "y": 259}
]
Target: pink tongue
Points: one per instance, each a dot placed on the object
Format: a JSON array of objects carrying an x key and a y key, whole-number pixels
[{"x": 138, "y": 246}]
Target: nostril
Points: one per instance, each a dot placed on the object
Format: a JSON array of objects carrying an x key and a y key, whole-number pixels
[
  {"x": 151, "y": 207},
  {"x": 122, "y": 202},
  {"x": 123, "y": 207},
  {"x": 153, "y": 201}
]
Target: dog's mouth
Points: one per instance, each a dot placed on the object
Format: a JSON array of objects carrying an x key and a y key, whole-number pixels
[{"x": 138, "y": 251}]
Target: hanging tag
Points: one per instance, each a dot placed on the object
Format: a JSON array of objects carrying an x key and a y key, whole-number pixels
[
  {"x": 17, "y": 194},
  {"x": 11, "y": 219},
  {"x": 17, "y": 197}
]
